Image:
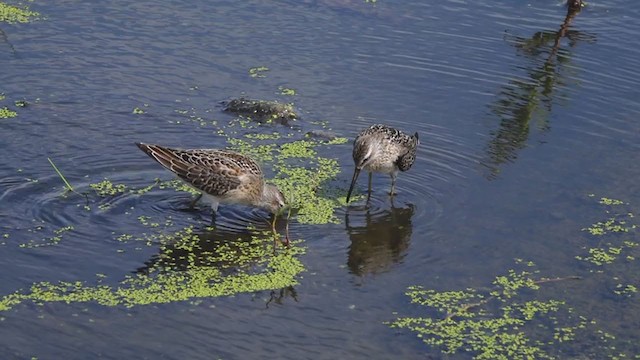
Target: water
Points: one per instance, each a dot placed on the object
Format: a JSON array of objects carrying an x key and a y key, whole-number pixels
[{"x": 515, "y": 132}]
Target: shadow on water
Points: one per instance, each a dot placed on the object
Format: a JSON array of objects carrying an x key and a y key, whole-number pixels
[
  {"x": 177, "y": 256},
  {"x": 380, "y": 240},
  {"x": 217, "y": 247},
  {"x": 224, "y": 246},
  {"x": 525, "y": 100}
]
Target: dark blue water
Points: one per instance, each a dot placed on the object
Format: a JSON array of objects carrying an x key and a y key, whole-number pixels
[{"x": 517, "y": 125}]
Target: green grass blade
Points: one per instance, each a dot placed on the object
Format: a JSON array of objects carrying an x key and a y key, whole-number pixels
[{"x": 61, "y": 176}]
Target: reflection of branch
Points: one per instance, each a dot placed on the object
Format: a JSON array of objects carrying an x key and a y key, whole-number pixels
[
  {"x": 467, "y": 307},
  {"x": 573, "y": 7},
  {"x": 4, "y": 38},
  {"x": 523, "y": 100}
]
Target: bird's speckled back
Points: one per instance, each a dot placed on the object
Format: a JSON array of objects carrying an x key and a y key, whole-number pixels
[{"x": 382, "y": 148}]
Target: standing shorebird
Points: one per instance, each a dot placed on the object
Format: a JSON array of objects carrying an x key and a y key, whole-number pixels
[
  {"x": 221, "y": 176},
  {"x": 383, "y": 149}
]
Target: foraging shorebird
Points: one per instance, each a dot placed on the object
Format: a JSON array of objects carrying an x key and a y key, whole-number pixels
[
  {"x": 221, "y": 176},
  {"x": 383, "y": 149}
]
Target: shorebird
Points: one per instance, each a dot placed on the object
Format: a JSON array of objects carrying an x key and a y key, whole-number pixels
[
  {"x": 221, "y": 176},
  {"x": 383, "y": 149}
]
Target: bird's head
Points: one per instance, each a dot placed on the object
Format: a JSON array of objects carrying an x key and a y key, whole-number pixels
[{"x": 273, "y": 199}]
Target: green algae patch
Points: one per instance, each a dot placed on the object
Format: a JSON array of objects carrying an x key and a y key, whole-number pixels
[
  {"x": 55, "y": 239},
  {"x": 107, "y": 188},
  {"x": 287, "y": 91},
  {"x": 204, "y": 263},
  {"x": 518, "y": 319},
  {"x": 13, "y": 14},
  {"x": 5, "y": 113},
  {"x": 503, "y": 323},
  {"x": 615, "y": 236},
  {"x": 301, "y": 173},
  {"x": 258, "y": 71},
  {"x": 183, "y": 270}
]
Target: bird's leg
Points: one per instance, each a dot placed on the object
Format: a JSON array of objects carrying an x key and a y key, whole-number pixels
[
  {"x": 214, "y": 209},
  {"x": 276, "y": 237},
  {"x": 286, "y": 234},
  {"x": 194, "y": 201},
  {"x": 369, "y": 191},
  {"x": 393, "y": 183}
]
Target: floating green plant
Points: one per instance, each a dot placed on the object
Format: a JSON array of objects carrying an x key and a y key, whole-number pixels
[
  {"x": 608, "y": 226},
  {"x": 138, "y": 111},
  {"x": 13, "y": 14},
  {"x": 272, "y": 136},
  {"x": 255, "y": 265},
  {"x": 190, "y": 264},
  {"x": 107, "y": 188},
  {"x": 178, "y": 185},
  {"x": 300, "y": 173},
  {"x": 625, "y": 290},
  {"x": 49, "y": 241},
  {"x": 619, "y": 229},
  {"x": 497, "y": 324},
  {"x": 608, "y": 201},
  {"x": 286, "y": 91},
  {"x": 258, "y": 72},
  {"x": 5, "y": 113}
]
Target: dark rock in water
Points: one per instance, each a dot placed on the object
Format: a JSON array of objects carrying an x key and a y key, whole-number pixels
[
  {"x": 322, "y": 134},
  {"x": 261, "y": 110}
]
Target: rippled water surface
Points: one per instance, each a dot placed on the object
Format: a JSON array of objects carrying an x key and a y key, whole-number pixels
[{"x": 522, "y": 113}]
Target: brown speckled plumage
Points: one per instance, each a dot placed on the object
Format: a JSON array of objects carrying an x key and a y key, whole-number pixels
[
  {"x": 383, "y": 149},
  {"x": 224, "y": 176}
]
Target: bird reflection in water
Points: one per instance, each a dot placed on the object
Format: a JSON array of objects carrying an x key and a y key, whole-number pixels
[
  {"x": 526, "y": 102},
  {"x": 381, "y": 241},
  {"x": 201, "y": 251}
]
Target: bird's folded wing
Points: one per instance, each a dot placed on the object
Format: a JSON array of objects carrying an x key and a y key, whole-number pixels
[{"x": 203, "y": 170}]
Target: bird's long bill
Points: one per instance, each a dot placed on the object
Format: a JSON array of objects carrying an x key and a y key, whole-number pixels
[
  {"x": 286, "y": 232},
  {"x": 356, "y": 172}
]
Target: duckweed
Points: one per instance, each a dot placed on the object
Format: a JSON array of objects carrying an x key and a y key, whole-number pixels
[
  {"x": 256, "y": 268},
  {"x": 107, "y": 188},
  {"x": 272, "y": 136},
  {"x": 192, "y": 265},
  {"x": 496, "y": 324},
  {"x": 48, "y": 241},
  {"x": 619, "y": 225},
  {"x": 608, "y": 201},
  {"x": 608, "y": 226},
  {"x": 625, "y": 290},
  {"x": 5, "y": 113},
  {"x": 258, "y": 72},
  {"x": 286, "y": 91},
  {"x": 13, "y": 14}
]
